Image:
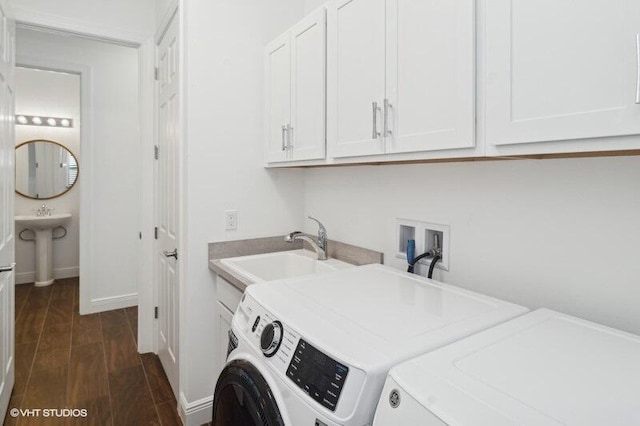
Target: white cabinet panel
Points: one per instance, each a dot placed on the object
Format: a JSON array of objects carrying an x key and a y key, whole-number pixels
[
  {"x": 558, "y": 70},
  {"x": 278, "y": 97},
  {"x": 225, "y": 316},
  {"x": 430, "y": 74},
  {"x": 308, "y": 59},
  {"x": 356, "y": 76}
]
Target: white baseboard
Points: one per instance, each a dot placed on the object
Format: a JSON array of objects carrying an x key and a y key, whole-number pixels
[
  {"x": 60, "y": 273},
  {"x": 195, "y": 413},
  {"x": 114, "y": 302}
]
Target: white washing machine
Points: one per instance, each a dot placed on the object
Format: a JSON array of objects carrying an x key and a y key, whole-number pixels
[
  {"x": 315, "y": 350},
  {"x": 542, "y": 369}
]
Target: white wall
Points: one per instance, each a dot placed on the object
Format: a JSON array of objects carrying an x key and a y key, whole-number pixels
[
  {"x": 224, "y": 158},
  {"x": 109, "y": 161},
  {"x": 311, "y": 5},
  {"x": 557, "y": 233},
  {"x": 57, "y": 95},
  {"x": 131, "y": 19}
]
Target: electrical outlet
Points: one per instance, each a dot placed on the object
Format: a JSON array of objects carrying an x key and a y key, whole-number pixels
[{"x": 231, "y": 220}]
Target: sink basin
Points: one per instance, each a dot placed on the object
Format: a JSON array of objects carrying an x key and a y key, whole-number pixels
[
  {"x": 280, "y": 265},
  {"x": 43, "y": 226},
  {"x": 43, "y": 222}
]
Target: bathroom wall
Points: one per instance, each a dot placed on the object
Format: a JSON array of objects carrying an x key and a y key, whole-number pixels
[
  {"x": 58, "y": 95},
  {"x": 109, "y": 160},
  {"x": 557, "y": 233},
  {"x": 224, "y": 158}
]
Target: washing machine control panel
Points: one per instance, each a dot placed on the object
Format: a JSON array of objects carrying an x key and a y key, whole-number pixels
[{"x": 320, "y": 376}]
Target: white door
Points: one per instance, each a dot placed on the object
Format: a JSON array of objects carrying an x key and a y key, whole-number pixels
[
  {"x": 278, "y": 98},
  {"x": 560, "y": 70},
  {"x": 7, "y": 194},
  {"x": 167, "y": 201},
  {"x": 308, "y": 87},
  {"x": 430, "y": 75},
  {"x": 355, "y": 77}
]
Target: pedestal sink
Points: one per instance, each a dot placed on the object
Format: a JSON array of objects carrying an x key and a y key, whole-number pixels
[{"x": 43, "y": 227}]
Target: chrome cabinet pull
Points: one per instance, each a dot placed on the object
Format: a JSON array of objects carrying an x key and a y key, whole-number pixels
[
  {"x": 289, "y": 136},
  {"x": 7, "y": 268},
  {"x": 375, "y": 134},
  {"x": 173, "y": 254},
  {"x": 284, "y": 137},
  {"x": 387, "y": 107},
  {"x": 638, "y": 69}
]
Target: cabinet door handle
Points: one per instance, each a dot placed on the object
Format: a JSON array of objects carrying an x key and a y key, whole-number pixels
[
  {"x": 289, "y": 136},
  {"x": 387, "y": 107},
  {"x": 375, "y": 134},
  {"x": 284, "y": 136},
  {"x": 638, "y": 69}
]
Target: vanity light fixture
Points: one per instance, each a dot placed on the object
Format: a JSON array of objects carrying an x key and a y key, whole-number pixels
[{"x": 34, "y": 120}]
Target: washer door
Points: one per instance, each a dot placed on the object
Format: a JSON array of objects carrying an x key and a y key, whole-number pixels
[{"x": 243, "y": 397}]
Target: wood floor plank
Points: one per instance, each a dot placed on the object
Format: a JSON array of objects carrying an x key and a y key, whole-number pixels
[
  {"x": 51, "y": 358},
  {"x": 113, "y": 318},
  {"x": 169, "y": 414},
  {"x": 86, "y": 329},
  {"x": 120, "y": 348},
  {"x": 132, "y": 317},
  {"x": 29, "y": 324},
  {"x": 55, "y": 337},
  {"x": 24, "y": 359},
  {"x": 160, "y": 387},
  {"x": 131, "y": 400},
  {"x": 47, "y": 389},
  {"x": 39, "y": 297},
  {"x": 98, "y": 413},
  {"x": 88, "y": 374},
  {"x": 60, "y": 311}
]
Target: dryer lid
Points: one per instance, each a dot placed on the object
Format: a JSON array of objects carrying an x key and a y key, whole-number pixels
[{"x": 545, "y": 368}]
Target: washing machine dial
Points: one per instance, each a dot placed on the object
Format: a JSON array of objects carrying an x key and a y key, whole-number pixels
[{"x": 271, "y": 338}]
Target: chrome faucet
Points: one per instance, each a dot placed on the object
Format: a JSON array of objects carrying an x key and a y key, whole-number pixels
[
  {"x": 320, "y": 246},
  {"x": 44, "y": 211}
]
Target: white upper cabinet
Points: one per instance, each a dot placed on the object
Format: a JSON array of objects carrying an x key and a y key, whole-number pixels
[
  {"x": 308, "y": 67},
  {"x": 278, "y": 97},
  {"x": 560, "y": 70},
  {"x": 401, "y": 76},
  {"x": 430, "y": 75},
  {"x": 356, "y": 77},
  {"x": 295, "y": 92}
]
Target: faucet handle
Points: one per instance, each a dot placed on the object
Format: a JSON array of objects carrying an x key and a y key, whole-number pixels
[{"x": 322, "y": 233}]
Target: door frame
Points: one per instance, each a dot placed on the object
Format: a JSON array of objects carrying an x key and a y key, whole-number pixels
[{"x": 145, "y": 210}]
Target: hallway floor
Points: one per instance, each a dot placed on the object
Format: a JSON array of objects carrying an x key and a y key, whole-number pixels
[{"x": 64, "y": 360}]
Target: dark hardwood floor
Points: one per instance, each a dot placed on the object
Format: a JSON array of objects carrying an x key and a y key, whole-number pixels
[{"x": 65, "y": 360}]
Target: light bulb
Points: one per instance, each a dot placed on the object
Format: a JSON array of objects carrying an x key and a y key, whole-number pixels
[
  {"x": 22, "y": 119},
  {"x": 64, "y": 122},
  {"x": 36, "y": 120},
  {"x": 52, "y": 122}
]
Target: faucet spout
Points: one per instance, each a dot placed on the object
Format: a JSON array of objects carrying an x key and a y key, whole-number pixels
[
  {"x": 319, "y": 245},
  {"x": 297, "y": 235}
]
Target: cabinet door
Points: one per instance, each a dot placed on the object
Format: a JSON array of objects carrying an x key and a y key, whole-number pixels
[
  {"x": 278, "y": 97},
  {"x": 356, "y": 76},
  {"x": 308, "y": 59},
  {"x": 430, "y": 75},
  {"x": 560, "y": 70},
  {"x": 225, "y": 317}
]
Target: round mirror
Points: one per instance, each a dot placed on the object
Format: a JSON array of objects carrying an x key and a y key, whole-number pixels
[{"x": 44, "y": 169}]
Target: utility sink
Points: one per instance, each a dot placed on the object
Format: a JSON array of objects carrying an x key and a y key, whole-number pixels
[
  {"x": 280, "y": 265},
  {"x": 43, "y": 227},
  {"x": 43, "y": 222}
]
